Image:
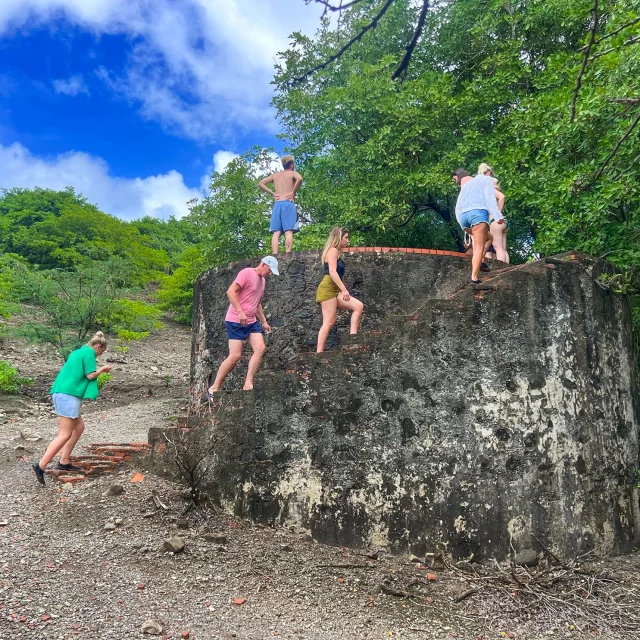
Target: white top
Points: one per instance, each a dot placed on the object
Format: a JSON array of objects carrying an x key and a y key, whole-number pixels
[{"x": 478, "y": 193}]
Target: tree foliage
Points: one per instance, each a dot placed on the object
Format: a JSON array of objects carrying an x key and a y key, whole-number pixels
[
  {"x": 489, "y": 80},
  {"x": 61, "y": 230}
]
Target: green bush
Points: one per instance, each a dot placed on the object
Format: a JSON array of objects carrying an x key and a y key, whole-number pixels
[
  {"x": 132, "y": 316},
  {"x": 10, "y": 380},
  {"x": 103, "y": 378}
]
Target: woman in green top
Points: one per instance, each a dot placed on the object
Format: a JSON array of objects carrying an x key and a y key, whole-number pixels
[{"x": 77, "y": 380}]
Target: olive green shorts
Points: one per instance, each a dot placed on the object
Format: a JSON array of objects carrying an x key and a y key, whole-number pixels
[{"x": 327, "y": 290}]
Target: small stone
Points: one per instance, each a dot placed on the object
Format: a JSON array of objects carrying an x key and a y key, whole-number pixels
[
  {"x": 4, "y": 523},
  {"x": 118, "y": 521},
  {"x": 151, "y": 627},
  {"x": 221, "y": 549},
  {"x": 174, "y": 544},
  {"x": 434, "y": 561},
  {"x": 307, "y": 537},
  {"x": 527, "y": 558},
  {"x": 113, "y": 490},
  {"x": 373, "y": 556},
  {"x": 286, "y": 547},
  {"x": 67, "y": 486},
  {"x": 185, "y": 635},
  {"x": 153, "y": 368},
  {"x": 413, "y": 558},
  {"x": 218, "y": 538},
  {"x": 182, "y": 524},
  {"x": 110, "y": 526}
]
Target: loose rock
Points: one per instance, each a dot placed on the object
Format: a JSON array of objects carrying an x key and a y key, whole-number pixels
[
  {"x": 151, "y": 627},
  {"x": 527, "y": 558},
  {"x": 174, "y": 544},
  {"x": 218, "y": 538},
  {"x": 113, "y": 490}
]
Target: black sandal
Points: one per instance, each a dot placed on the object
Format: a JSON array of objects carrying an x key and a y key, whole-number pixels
[{"x": 474, "y": 282}]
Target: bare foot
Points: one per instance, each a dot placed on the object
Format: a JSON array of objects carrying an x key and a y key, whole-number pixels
[{"x": 247, "y": 388}]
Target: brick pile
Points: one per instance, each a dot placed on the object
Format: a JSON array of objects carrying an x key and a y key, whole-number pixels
[{"x": 102, "y": 458}]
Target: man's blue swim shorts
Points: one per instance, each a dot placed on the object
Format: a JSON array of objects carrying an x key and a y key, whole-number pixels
[
  {"x": 284, "y": 216},
  {"x": 235, "y": 331}
]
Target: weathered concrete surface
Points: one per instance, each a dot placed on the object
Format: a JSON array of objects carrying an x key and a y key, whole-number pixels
[
  {"x": 485, "y": 421},
  {"x": 388, "y": 283}
]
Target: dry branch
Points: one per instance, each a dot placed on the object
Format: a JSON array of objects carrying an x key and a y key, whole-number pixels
[
  {"x": 368, "y": 27},
  {"x": 585, "y": 60}
]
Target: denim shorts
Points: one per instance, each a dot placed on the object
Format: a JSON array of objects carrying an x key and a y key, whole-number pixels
[
  {"x": 66, "y": 406},
  {"x": 284, "y": 216},
  {"x": 235, "y": 331},
  {"x": 470, "y": 219}
]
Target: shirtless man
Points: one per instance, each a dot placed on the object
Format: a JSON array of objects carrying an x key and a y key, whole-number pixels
[{"x": 284, "y": 216}]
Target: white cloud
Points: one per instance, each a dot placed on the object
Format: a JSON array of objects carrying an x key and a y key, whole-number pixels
[
  {"x": 159, "y": 196},
  {"x": 221, "y": 159},
  {"x": 71, "y": 87},
  {"x": 201, "y": 67}
]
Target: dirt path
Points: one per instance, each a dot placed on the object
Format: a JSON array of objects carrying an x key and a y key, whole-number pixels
[{"x": 75, "y": 563}]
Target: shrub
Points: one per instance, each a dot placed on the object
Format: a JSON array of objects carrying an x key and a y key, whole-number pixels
[
  {"x": 103, "y": 378},
  {"x": 10, "y": 380},
  {"x": 132, "y": 316}
]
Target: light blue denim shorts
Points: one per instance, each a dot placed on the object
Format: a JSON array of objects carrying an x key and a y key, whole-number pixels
[
  {"x": 284, "y": 216},
  {"x": 66, "y": 406},
  {"x": 471, "y": 218}
]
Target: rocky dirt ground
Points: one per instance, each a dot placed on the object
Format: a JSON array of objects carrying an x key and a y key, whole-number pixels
[{"x": 76, "y": 562}]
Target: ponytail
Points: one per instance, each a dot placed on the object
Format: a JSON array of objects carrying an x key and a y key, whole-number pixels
[{"x": 98, "y": 338}]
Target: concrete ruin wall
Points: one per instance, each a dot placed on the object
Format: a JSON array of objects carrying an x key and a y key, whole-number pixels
[{"x": 472, "y": 420}]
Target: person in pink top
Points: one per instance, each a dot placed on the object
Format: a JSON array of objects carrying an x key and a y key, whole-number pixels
[{"x": 245, "y": 320}]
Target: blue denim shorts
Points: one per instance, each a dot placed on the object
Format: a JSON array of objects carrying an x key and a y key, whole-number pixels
[
  {"x": 470, "y": 219},
  {"x": 235, "y": 331},
  {"x": 284, "y": 216},
  {"x": 66, "y": 406}
]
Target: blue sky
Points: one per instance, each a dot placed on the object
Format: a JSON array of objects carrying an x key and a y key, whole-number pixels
[{"x": 133, "y": 102}]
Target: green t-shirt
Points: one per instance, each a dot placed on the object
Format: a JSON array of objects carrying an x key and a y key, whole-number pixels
[{"x": 72, "y": 378}]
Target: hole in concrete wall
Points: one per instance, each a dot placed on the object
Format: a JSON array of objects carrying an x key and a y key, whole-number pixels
[
  {"x": 531, "y": 439},
  {"x": 388, "y": 405},
  {"x": 511, "y": 386},
  {"x": 513, "y": 463},
  {"x": 408, "y": 429},
  {"x": 623, "y": 429},
  {"x": 502, "y": 434},
  {"x": 409, "y": 382},
  {"x": 581, "y": 466}
]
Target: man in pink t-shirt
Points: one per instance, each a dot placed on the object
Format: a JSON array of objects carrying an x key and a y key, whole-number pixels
[{"x": 243, "y": 320}]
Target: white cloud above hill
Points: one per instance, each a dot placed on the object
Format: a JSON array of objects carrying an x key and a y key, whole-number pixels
[
  {"x": 202, "y": 68},
  {"x": 159, "y": 196}
]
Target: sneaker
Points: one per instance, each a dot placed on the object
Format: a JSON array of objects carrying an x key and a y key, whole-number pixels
[
  {"x": 484, "y": 267},
  {"x": 67, "y": 467},
  {"x": 39, "y": 473}
]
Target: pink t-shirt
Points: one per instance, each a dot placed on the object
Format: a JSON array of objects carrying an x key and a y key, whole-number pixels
[{"x": 249, "y": 296}]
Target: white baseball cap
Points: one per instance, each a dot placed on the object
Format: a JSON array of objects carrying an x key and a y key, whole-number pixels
[{"x": 273, "y": 263}]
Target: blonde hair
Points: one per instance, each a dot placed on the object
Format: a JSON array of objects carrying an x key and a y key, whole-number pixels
[
  {"x": 484, "y": 168},
  {"x": 334, "y": 241},
  {"x": 98, "y": 338},
  {"x": 286, "y": 161}
]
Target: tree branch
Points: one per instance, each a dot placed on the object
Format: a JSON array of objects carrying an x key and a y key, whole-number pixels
[
  {"x": 331, "y": 7},
  {"x": 585, "y": 60},
  {"x": 628, "y": 43},
  {"x": 610, "y": 157},
  {"x": 368, "y": 27},
  {"x": 613, "y": 33},
  {"x": 406, "y": 59}
]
